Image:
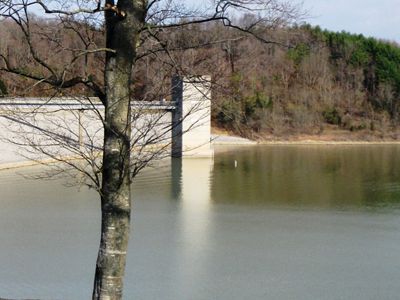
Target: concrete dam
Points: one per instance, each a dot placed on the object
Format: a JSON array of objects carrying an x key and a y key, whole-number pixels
[{"x": 38, "y": 129}]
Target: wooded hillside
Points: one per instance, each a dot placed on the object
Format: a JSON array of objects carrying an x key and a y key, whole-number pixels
[{"x": 292, "y": 81}]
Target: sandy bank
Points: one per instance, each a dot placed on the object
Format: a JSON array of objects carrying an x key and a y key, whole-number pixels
[{"x": 223, "y": 139}]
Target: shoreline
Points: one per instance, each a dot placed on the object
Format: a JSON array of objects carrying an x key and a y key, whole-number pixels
[
  {"x": 226, "y": 139},
  {"x": 321, "y": 142},
  {"x": 330, "y": 135}
]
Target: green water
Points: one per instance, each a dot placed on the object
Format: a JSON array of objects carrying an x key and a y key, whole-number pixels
[{"x": 321, "y": 177}]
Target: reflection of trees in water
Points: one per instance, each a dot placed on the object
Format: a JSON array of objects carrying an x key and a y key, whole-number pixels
[{"x": 309, "y": 176}]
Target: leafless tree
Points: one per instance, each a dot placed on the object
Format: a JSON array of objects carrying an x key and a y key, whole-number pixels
[{"x": 115, "y": 37}]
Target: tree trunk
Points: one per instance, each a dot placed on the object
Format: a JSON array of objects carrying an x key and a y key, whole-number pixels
[{"x": 115, "y": 191}]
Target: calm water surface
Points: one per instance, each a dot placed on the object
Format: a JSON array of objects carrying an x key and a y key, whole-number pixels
[{"x": 285, "y": 222}]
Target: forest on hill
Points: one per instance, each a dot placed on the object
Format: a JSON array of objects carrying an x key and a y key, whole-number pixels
[{"x": 282, "y": 83}]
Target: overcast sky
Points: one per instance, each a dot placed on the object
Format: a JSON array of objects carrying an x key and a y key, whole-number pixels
[{"x": 378, "y": 18}]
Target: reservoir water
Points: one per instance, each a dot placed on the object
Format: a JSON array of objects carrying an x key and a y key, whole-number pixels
[{"x": 257, "y": 222}]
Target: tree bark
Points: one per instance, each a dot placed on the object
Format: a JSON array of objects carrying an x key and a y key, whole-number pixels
[{"x": 122, "y": 33}]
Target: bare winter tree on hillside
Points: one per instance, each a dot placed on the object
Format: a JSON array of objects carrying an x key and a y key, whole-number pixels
[{"x": 112, "y": 41}]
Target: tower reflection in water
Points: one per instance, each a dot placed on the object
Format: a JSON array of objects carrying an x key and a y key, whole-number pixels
[{"x": 191, "y": 182}]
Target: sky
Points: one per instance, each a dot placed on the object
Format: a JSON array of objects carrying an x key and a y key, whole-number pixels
[{"x": 377, "y": 18}]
